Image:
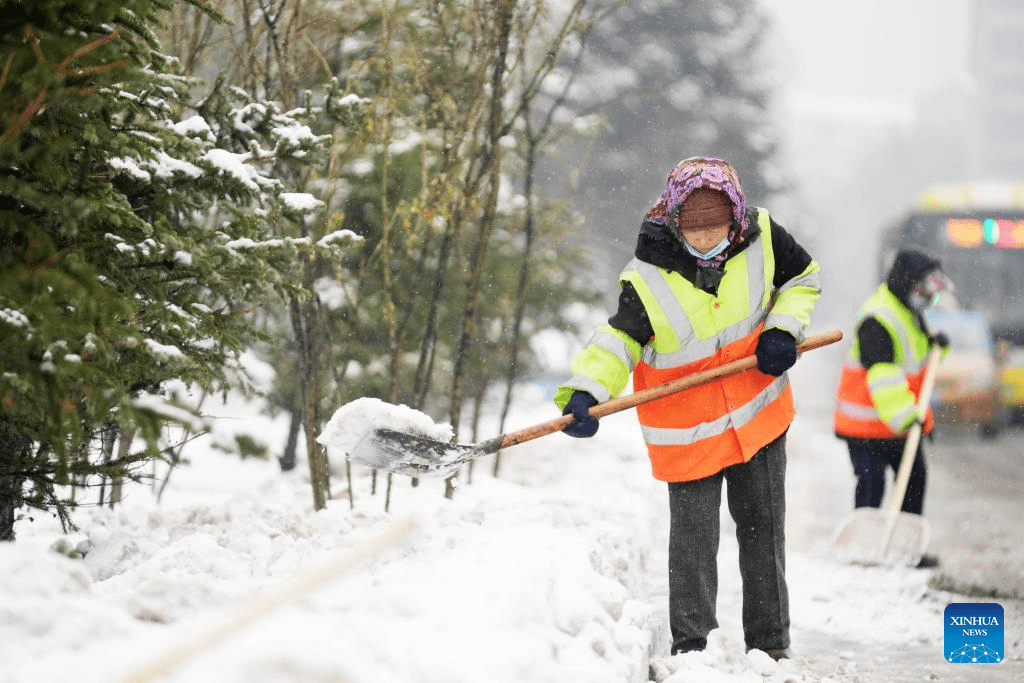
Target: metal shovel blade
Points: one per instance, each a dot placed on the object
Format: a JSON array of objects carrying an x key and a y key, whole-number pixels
[
  {"x": 872, "y": 536},
  {"x": 416, "y": 456}
]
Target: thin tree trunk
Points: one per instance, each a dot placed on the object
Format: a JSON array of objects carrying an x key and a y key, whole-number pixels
[
  {"x": 176, "y": 454},
  {"x": 351, "y": 493},
  {"x": 124, "y": 447},
  {"x": 478, "y": 405},
  {"x": 524, "y": 278},
  {"x": 390, "y": 312},
  {"x": 10, "y": 494},
  {"x": 534, "y": 137},
  {"x": 288, "y": 459},
  {"x": 304, "y": 318},
  {"x": 12, "y": 452},
  {"x": 421, "y": 382},
  {"x": 107, "y": 438},
  {"x": 491, "y": 165}
]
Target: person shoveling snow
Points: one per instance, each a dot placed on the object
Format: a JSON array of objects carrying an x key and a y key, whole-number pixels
[{"x": 712, "y": 280}]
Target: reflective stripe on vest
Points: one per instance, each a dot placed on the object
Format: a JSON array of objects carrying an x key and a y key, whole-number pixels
[
  {"x": 602, "y": 367},
  {"x": 856, "y": 413},
  {"x": 700, "y": 431}
]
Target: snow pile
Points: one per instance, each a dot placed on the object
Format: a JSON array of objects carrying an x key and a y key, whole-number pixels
[
  {"x": 354, "y": 420},
  {"x": 521, "y": 582}
]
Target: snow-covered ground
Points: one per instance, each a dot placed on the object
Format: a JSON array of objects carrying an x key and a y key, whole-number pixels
[{"x": 552, "y": 572}]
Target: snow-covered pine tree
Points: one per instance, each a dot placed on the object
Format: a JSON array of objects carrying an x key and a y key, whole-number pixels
[
  {"x": 62, "y": 318},
  {"x": 312, "y": 245},
  {"x": 133, "y": 241},
  {"x": 318, "y": 36},
  {"x": 413, "y": 177}
]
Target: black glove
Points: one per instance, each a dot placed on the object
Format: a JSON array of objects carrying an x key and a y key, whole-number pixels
[
  {"x": 579, "y": 405},
  {"x": 941, "y": 339},
  {"x": 776, "y": 351}
]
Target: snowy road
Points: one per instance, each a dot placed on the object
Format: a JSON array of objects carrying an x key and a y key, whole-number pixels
[
  {"x": 976, "y": 503},
  {"x": 975, "y": 507}
]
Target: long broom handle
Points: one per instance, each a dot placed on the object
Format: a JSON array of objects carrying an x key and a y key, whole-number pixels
[
  {"x": 634, "y": 399},
  {"x": 914, "y": 435}
]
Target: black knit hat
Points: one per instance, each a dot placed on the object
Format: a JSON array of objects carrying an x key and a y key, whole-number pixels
[{"x": 908, "y": 268}]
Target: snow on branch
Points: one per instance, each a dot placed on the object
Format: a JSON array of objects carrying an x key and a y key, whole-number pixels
[
  {"x": 332, "y": 238},
  {"x": 155, "y": 404},
  {"x": 193, "y": 127},
  {"x": 246, "y": 243},
  {"x": 163, "y": 350},
  {"x": 301, "y": 202},
  {"x": 233, "y": 165},
  {"x": 13, "y": 317}
]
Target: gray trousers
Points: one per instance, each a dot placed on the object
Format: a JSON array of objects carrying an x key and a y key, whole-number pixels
[{"x": 756, "y": 495}]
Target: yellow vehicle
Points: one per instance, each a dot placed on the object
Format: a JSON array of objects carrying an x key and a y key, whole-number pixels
[{"x": 1011, "y": 383}]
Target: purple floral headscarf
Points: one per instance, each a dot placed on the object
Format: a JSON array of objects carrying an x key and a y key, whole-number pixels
[{"x": 697, "y": 172}]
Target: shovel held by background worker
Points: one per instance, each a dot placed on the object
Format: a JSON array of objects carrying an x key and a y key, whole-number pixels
[
  {"x": 418, "y": 456},
  {"x": 873, "y": 536}
]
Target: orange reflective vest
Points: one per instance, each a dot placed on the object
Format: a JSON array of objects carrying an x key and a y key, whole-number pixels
[
  {"x": 895, "y": 387},
  {"x": 700, "y": 431}
]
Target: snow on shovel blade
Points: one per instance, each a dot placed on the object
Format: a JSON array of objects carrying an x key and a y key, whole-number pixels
[
  {"x": 416, "y": 456},
  {"x": 872, "y": 536}
]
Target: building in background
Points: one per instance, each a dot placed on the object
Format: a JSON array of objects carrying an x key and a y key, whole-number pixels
[{"x": 998, "y": 64}]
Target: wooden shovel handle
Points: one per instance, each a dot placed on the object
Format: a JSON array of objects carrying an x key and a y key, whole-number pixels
[
  {"x": 621, "y": 403},
  {"x": 899, "y": 490}
]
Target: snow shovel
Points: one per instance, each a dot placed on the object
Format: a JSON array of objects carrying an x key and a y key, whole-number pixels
[
  {"x": 873, "y": 536},
  {"x": 418, "y": 456}
]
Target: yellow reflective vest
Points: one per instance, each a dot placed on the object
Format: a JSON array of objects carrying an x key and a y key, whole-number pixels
[
  {"x": 880, "y": 402},
  {"x": 700, "y": 431}
]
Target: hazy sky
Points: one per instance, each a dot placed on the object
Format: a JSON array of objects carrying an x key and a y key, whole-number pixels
[
  {"x": 850, "y": 73},
  {"x": 888, "y": 49}
]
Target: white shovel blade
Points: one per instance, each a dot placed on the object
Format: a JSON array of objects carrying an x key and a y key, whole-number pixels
[{"x": 872, "y": 536}]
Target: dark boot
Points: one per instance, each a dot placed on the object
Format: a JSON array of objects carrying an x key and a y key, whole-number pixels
[{"x": 783, "y": 653}]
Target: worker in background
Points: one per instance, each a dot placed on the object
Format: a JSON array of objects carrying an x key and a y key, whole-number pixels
[{"x": 881, "y": 381}]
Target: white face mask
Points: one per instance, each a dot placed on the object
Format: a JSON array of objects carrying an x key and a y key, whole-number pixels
[
  {"x": 927, "y": 292},
  {"x": 712, "y": 252},
  {"x": 918, "y": 302}
]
